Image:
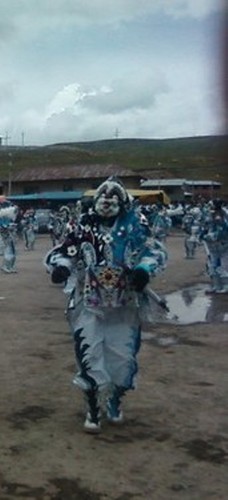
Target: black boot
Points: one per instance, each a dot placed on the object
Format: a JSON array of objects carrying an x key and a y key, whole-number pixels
[
  {"x": 114, "y": 412},
  {"x": 92, "y": 422}
]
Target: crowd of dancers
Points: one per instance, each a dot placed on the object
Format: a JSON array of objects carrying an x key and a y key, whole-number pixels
[
  {"x": 204, "y": 223},
  {"x": 18, "y": 225},
  {"x": 105, "y": 253}
]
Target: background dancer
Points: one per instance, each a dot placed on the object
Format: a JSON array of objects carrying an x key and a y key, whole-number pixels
[
  {"x": 8, "y": 236},
  {"x": 215, "y": 239}
]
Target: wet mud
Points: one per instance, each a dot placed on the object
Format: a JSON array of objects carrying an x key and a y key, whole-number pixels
[
  {"x": 20, "y": 419},
  {"x": 206, "y": 450},
  {"x": 57, "y": 489}
]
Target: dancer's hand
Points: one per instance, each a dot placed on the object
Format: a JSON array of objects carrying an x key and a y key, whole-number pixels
[
  {"x": 60, "y": 274},
  {"x": 139, "y": 279}
]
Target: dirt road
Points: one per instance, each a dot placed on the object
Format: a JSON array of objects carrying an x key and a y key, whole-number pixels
[{"x": 174, "y": 441}]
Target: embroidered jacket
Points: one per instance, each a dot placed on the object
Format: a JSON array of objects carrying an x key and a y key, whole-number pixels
[{"x": 101, "y": 259}]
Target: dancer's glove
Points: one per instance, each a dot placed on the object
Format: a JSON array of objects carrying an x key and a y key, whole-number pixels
[
  {"x": 139, "y": 278},
  {"x": 60, "y": 274}
]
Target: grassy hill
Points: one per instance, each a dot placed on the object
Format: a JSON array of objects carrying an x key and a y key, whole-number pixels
[{"x": 193, "y": 158}]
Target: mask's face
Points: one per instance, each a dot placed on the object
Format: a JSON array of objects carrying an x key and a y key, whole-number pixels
[{"x": 107, "y": 205}]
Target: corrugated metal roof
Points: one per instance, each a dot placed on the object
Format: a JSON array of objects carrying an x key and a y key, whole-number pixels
[
  {"x": 163, "y": 182},
  {"x": 177, "y": 183},
  {"x": 71, "y": 172},
  {"x": 202, "y": 183}
]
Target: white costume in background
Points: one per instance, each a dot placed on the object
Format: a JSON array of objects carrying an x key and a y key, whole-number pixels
[
  {"x": 7, "y": 237},
  {"x": 215, "y": 239}
]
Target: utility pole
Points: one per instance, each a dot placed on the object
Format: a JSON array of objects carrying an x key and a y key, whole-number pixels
[
  {"x": 117, "y": 132},
  {"x": 10, "y": 164},
  {"x": 22, "y": 138},
  {"x": 6, "y": 138},
  {"x": 159, "y": 176}
]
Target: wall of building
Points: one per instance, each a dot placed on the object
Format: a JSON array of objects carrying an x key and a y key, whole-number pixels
[{"x": 27, "y": 187}]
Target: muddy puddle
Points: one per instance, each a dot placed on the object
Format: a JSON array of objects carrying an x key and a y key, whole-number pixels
[{"x": 194, "y": 305}]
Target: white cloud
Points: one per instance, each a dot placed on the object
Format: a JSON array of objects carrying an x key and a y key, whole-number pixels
[
  {"x": 179, "y": 100},
  {"x": 77, "y": 113},
  {"x": 131, "y": 91},
  {"x": 7, "y": 93},
  {"x": 27, "y": 17},
  {"x": 60, "y": 82},
  {"x": 128, "y": 92},
  {"x": 191, "y": 8},
  {"x": 67, "y": 98}
]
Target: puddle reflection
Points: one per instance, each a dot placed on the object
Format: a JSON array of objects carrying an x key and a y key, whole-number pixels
[{"x": 192, "y": 305}]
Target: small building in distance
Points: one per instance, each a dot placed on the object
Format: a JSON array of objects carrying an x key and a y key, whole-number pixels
[
  {"x": 181, "y": 189},
  {"x": 68, "y": 178}
]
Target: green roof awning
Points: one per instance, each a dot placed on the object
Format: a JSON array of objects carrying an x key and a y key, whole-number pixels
[{"x": 48, "y": 195}]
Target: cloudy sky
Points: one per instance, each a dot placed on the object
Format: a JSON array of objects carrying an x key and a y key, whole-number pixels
[{"x": 78, "y": 70}]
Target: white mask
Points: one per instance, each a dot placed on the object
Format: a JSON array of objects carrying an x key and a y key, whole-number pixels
[{"x": 107, "y": 205}]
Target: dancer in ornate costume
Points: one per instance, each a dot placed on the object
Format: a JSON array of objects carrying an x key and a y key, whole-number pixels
[
  {"x": 215, "y": 239},
  {"x": 162, "y": 224},
  {"x": 7, "y": 235},
  {"x": 191, "y": 224},
  {"x": 58, "y": 223},
  {"x": 107, "y": 263},
  {"x": 30, "y": 228}
]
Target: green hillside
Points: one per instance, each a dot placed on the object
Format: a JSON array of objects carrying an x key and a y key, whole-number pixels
[{"x": 192, "y": 158}]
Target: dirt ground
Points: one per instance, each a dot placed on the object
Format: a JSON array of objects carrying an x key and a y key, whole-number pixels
[{"x": 174, "y": 441}]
